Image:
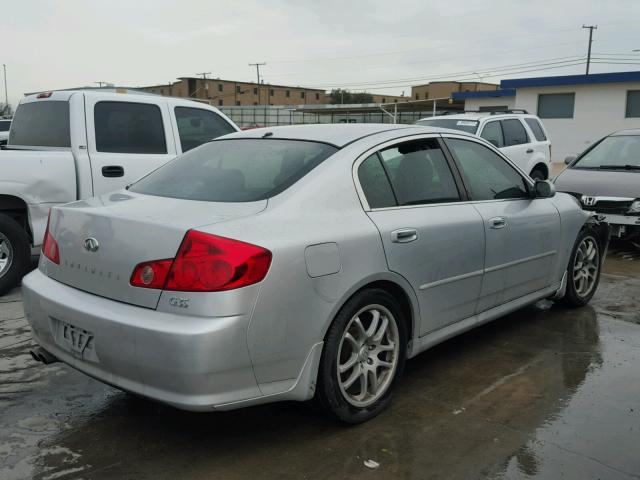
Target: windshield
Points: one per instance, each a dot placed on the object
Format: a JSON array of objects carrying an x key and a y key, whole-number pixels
[
  {"x": 41, "y": 124},
  {"x": 4, "y": 125},
  {"x": 613, "y": 152},
  {"x": 470, "y": 126},
  {"x": 244, "y": 170}
]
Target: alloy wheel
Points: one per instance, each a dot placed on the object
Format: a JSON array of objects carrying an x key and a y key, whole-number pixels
[
  {"x": 6, "y": 255},
  {"x": 586, "y": 266},
  {"x": 368, "y": 355}
]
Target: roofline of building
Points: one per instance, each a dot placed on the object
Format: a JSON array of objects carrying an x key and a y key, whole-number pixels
[
  {"x": 454, "y": 81},
  {"x": 593, "y": 78},
  {"x": 507, "y": 92},
  {"x": 254, "y": 84}
]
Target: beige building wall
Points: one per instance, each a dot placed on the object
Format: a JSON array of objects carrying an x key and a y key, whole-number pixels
[{"x": 445, "y": 89}]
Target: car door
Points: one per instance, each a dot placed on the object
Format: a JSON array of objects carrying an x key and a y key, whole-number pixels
[
  {"x": 516, "y": 143},
  {"x": 522, "y": 233},
  {"x": 430, "y": 236},
  {"x": 126, "y": 140}
]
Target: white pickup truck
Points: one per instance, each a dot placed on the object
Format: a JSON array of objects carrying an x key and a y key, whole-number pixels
[{"x": 70, "y": 145}]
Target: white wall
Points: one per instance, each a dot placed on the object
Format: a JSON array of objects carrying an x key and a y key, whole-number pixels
[
  {"x": 599, "y": 110},
  {"x": 476, "y": 103}
]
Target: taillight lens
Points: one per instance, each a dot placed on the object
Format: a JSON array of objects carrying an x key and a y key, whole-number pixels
[
  {"x": 205, "y": 263},
  {"x": 50, "y": 246}
]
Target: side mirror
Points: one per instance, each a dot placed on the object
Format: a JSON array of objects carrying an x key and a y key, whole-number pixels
[
  {"x": 569, "y": 159},
  {"x": 544, "y": 189}
]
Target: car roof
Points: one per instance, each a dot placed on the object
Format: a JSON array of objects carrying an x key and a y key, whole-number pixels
[
  {"x": 630, "y": 131},
  {"x": 338, "y": 135},
  {"x": 479, "y": 116}
]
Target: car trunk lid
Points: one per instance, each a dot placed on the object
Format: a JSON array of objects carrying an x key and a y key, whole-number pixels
[{"x": 102, "y": 239}]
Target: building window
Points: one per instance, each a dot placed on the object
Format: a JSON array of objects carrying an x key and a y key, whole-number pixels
[
  {"x": 238, "y": 89},
  {"x": 237, "y": 103},
  {"x": 395, "y": 100},
  {"x": 219, "y": 87},
  {"x": 287, "y": 93},
  {"x": 633, "y": 104},
  {"x": 255, "y": 103},
  {"x": 317, "y": 96},
  {"x": 417, "y": 96},
  {"x": 271, "y": 92},
  {"x": 255, "y": 91},
  {"x": 384, "y": 100},
  {"x": 556, "y": 105},
  {"x": 220, "y": 102},
  {"x": 301, "y": 94}
]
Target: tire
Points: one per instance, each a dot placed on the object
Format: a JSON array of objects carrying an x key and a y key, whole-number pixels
[
  {"x": 538, "y": 174},
  {"x": 15, "y": 253},
  {"x": 371, "y": 354},
  {"x": 578, "y": 294}
]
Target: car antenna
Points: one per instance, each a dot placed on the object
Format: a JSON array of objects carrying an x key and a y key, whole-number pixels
[{"x": 268, "y": 134}]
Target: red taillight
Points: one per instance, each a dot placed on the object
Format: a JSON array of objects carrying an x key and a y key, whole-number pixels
[
  {"x": 205, "y": 263},
  {"x": 50, "y": 246}
]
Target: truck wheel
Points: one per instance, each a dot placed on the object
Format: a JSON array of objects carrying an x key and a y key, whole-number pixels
[
  {"x": 363, "y": 357},
  {"x": 15, "y": 253},
  {"x": 583, "y": 271}
]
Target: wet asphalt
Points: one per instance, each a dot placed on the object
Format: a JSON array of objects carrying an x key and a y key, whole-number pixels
[{"x": 544, "y": 393}]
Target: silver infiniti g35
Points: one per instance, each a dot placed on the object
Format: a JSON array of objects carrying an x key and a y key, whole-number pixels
[{"x": 298, "y": 262}]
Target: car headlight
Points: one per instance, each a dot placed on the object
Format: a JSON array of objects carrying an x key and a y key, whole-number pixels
[{"x": 635, "y": 207}]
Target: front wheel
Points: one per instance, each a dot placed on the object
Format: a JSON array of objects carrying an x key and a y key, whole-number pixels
[
  {"x": 15, "y": 253},
  {"x": 363, "y": 356},
  {"x": 583, "y": 271}
]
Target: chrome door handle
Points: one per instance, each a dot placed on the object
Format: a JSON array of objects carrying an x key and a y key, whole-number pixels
[
  {"x": 404, "y": 235},
  {"x": 497, "y": 222}
]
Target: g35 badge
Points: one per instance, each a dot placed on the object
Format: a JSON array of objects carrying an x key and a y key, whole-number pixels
[{"x": 179, "y": 302}]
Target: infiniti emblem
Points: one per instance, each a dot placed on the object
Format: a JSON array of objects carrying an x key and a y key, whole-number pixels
[
  {"x": 589, "y": 201},
  {"x": 91, "y": 245}
]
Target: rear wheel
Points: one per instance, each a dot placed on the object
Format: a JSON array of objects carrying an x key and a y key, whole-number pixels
[
  {"x": 363, "y": 357},
  {"x": 583, "y": 271},
  {"x": 15, "y": 253}
]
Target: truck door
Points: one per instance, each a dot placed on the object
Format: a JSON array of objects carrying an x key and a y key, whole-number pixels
[{"x": 126, "y": 139}]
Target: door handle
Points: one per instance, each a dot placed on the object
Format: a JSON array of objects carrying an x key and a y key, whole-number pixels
[
  {"x": 112, "y": 171},
  {"x": 497, "y": 223},
  {"x": 529, "y": 150},
  {"x": 404, "y": 235}
]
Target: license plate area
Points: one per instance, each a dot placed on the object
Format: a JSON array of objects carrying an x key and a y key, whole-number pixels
[{"x": 77, "y": 341}]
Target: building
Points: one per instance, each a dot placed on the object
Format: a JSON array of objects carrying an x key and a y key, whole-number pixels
[
  {"x": 377, "y": 98},
  {"x": 446, "y": 89},
  {"x": 220, "y": 92},
  {"x": 576, "y": 110}
]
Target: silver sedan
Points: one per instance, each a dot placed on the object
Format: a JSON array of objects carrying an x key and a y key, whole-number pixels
[{"x": 298, "y": 262}]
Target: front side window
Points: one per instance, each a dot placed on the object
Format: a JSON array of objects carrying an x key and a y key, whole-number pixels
[
  {"x": 536, "y": 128},
  {"x": 244, "y": 170},
  {"x": 492, "y": 133},
  {"x": 514, "y": 133},
  {"x": 487, "y": 175},
  {"x": 125, "y": 127},
  {"x": 41, "y": 124},
  {"x": 556, "y": 105},
  {"x": 197, "y": 126},
  {"x": 419, "y": 173},
  {"x": 633, "y": 104}
]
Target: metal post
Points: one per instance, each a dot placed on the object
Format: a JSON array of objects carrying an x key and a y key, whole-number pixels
[
  {"x": 434, "y": 108},
  {"x": 6, "y": 96},
  {"x": 395, "y": 113},
  {"x": 591, "y": 29}
]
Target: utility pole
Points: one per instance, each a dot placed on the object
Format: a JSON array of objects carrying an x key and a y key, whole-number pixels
[
  {"x": 100, "y": 84},
  {"x": 591, "y": 29},
  {"x": 258, "y": 65},
  {"x": 6, "y": 97},
  {"x": 204, "y": 80}
]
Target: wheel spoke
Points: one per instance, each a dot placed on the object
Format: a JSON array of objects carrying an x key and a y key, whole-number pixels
[
  {"x": 362, "y": 334},
  {"x": 377, "y": 338},
  {"x": 349, "y": 363},
  {"x": 373, "y": 381},
  {"x": 385, "y": 364},
  {"x": 375, "y": 318},
  {"x": 352, "y": 378},
  {"x": 364, "y": 386},
  {"x": 354, "y": 343}
]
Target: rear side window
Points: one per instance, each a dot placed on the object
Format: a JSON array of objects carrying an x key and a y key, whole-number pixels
[
  {"x": 41, "y": 124},
  {"x": 492, "y": 132},
  {"x": 536, "y": 128},
  {"x": 125, "y": 127},
  {"x": 244, "y": 170},
  {"x": 197, "y": 126},
  {"x": 514, "y": 133},
  {"x": 375, "y": 184},
  {"x": 419, "y": 173},
  {"x": 4, "y": 126}
]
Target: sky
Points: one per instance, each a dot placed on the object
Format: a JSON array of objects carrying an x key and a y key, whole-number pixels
[{"x": 378, "y": 46}]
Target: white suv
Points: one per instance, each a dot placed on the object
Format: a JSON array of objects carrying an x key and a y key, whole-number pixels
[{"x": 521, "y": 136}]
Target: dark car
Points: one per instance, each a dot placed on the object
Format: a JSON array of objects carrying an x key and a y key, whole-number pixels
[{"x": 606, "y": 179}]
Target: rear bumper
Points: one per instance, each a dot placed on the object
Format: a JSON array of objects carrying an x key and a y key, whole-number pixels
[{"x": 193, "y": 363}]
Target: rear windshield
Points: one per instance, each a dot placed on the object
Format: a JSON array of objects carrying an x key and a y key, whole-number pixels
[
  {"x": 4, "y": 126},
  {"x": 470, "y": 126},
  {"x": 41, "y": 124},
  {"x": 235, "y": 170}
]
